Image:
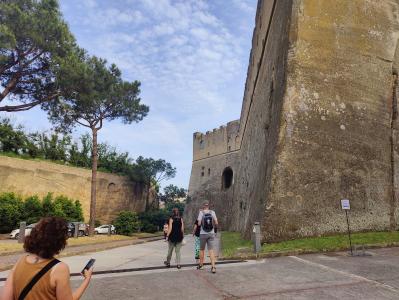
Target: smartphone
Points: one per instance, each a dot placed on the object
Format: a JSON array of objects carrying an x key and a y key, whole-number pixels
[{"x": 89, "y": 265}]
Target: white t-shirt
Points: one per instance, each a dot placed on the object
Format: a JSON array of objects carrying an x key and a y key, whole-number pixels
[{"x": 201, "y": 215}]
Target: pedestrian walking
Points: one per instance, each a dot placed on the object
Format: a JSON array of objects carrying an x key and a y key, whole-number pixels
[
  {"x": 175, "y": 237},
  {"x": 165, "y": 230},
  {"x": 196, "y": 235},
  {"x": 45, "y": 241},
  {"x": 209, "y": 222}
]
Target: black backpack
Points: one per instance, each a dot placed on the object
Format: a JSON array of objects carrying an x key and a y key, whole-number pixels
[{"x": 207, "y": 222}]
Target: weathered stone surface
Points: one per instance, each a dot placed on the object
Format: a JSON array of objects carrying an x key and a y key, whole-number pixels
[
  {"x": 318, "y": 122},
  {"x": 214, "y": 152},
  {"x": 114, "y": 193}
]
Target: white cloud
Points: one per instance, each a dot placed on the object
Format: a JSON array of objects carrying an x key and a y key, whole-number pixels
[{"x": 191, "y": 62}]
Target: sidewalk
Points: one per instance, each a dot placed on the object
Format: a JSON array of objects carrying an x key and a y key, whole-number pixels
[
  {"x": 138, "y": 253},
  {"x": 7, "y": 261}
]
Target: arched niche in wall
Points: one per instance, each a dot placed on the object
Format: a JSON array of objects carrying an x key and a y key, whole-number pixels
[
  {"x": 111, "y": 188},
  {"x": 227, "y": 178}
]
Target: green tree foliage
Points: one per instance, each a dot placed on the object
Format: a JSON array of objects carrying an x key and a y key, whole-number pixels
[
  {"x": 153, "y": 220},
  {"x": 14, "y": 210},
  {"x": 33, "y": 209},
  {"x": 126, "y": 223},
  {"x": 151, "y": 172},
  {"x": 12, "y": 139},
  {"x": 171, "y": 205},
  {"x": 99, "y": 94},
  {"x": 172, "y": 193},
  {"x": 35, "y": 46},
  {"x": 48, "y": 205},
  {"x": 11, "y": 211}
]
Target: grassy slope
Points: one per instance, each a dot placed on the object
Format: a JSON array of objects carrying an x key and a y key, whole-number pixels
[{"x": 231, "y": 242}]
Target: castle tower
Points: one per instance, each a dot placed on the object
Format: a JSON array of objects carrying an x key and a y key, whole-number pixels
[{"x": 319, "y": 120}]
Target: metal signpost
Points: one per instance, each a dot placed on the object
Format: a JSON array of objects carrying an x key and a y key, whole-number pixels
[
  {"x": 257, "y": 237},
  {"x": 22, "y": 227},
  {"x": 345, "y": 205},
  {"x": 76, "y": 229}
]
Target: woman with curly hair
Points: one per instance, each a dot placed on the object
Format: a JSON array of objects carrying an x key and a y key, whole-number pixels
[{"x": 46, "y": 240}]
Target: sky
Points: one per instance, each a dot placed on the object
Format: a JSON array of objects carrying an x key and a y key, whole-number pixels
[{"x": 191, "y": 57}]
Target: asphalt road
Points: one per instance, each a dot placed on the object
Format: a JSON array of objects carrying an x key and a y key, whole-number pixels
[
  {"x": 333, "y": 276},
  {"x": 316, "y": 276}
]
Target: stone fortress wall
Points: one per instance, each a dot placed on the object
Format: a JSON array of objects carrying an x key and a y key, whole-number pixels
[
  {"x": 318, "y": 122},
  {"x": 214, "y": 153},
  {"x": 114, "y": 192}
]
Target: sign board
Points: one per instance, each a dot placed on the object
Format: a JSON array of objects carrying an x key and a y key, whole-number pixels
[{"x": 345, "y": 204}]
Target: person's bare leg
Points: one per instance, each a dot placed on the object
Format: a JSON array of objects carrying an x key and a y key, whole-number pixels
[
  {"x": 212, "y": 256},
  {"x": 202, "y": 254}
]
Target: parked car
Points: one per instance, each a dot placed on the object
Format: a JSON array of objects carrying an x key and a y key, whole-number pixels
[
  {"x": 82, "y": 229},
  {"x": 103, "y": 229},
  {"x": 15, "y": 233}
]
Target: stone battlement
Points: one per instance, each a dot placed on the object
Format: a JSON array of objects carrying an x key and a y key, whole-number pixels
[{"x": 216, "y": 142}]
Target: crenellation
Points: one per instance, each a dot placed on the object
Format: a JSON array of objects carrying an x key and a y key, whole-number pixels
[{"x": 216, "y": 142}]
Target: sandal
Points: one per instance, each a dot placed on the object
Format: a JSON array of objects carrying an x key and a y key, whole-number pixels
[
  {"x": 166, "y": 264},
  {"x": 200, "y": 267},
  {"x": 213, "y": 270}
]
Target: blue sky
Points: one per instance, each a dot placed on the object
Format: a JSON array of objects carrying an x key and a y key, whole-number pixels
[{"x": 191, "y": 57}]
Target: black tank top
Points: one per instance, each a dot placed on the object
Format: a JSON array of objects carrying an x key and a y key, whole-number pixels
[{"x": 176, "y": 236}]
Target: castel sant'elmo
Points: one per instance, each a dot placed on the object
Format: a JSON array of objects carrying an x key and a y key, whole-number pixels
[{"x": 318, "y": 124}]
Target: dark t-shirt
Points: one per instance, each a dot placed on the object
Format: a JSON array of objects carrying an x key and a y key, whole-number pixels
[
  {"x": 176, "y": 236},
  {"x": 198, "y": 230}
]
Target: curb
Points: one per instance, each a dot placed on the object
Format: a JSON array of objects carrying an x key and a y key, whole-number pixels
[{"x": 254, "y": 256}]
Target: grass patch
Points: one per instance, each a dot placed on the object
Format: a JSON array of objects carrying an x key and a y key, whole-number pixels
[
  {"x": 9, "y": 247},
  {"x": 232, "y": 241}
]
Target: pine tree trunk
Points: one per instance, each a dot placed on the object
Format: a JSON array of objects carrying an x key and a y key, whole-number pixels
[{"x": 94, "y": 159}]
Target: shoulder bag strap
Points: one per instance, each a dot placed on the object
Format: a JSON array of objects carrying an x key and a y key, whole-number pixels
[{"x": 37, "y": 277}]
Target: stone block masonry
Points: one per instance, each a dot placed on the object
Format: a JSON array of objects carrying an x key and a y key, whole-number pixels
[
  {"x": 114, "y": 192},
  {"x": 318, "y": 122}
]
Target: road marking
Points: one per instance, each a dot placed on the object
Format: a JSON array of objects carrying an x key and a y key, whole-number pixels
[{"x": 354, "y": 276}]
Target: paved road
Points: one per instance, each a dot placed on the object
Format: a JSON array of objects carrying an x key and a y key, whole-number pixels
[
  {"x": 316, "y": 276},
  {"x": 297, "y": 277}
]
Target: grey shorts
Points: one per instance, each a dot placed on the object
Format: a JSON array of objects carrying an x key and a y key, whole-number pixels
[{"x": 207, "y": 239}]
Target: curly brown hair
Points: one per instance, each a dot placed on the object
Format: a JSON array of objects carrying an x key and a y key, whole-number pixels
[{"x": 48, "y": 237}]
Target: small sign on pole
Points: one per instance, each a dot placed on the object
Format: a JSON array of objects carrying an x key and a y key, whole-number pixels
[{"x": 345, "y": 205}]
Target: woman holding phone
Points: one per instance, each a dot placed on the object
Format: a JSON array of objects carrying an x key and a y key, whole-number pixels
[{"x": 46, "y": 240}]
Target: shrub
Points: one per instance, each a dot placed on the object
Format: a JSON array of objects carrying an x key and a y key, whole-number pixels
[
  {"x": 126, "y": 223},
  {"x": 152, "y": 220},
  {"x": 48, "y": 205},
  {"x": 63, "y": 207},
  {"x": 33, "y": 209},
  {"x": 11, "y": 211}
]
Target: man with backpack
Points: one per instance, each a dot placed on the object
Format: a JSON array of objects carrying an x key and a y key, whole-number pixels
[{"x": 208, "y": 221}]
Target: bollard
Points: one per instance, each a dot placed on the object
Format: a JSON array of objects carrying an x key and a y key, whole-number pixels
[
  {"x": 76, "y": 229},
  {"x": 256, "y": 237},
  {"x": 21, "y": 236},
  {"x": 109, "y": 229}
]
